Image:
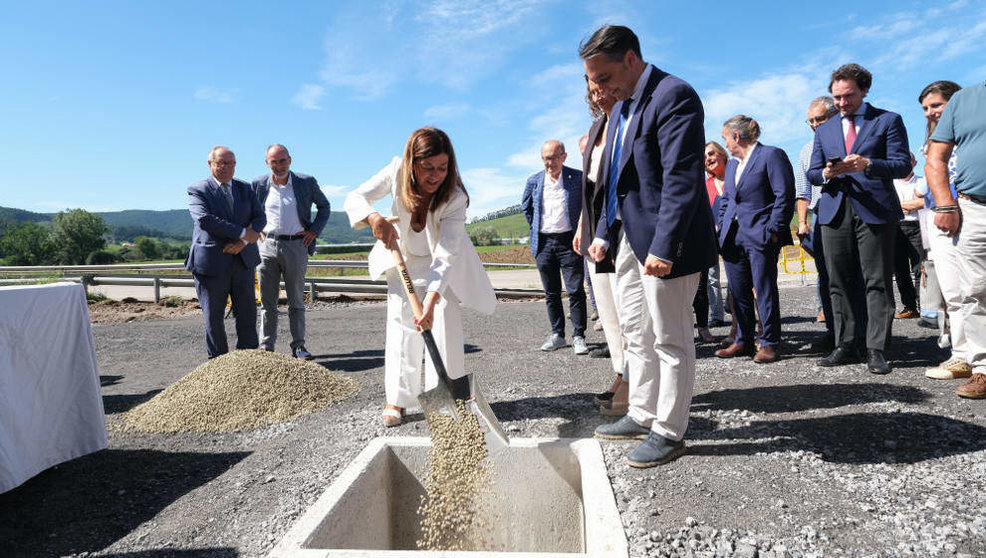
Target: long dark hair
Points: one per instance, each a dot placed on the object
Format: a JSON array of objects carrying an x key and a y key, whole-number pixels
[
  {"x": 944, "y": 88},
  {"x": 424, "y": 143}
]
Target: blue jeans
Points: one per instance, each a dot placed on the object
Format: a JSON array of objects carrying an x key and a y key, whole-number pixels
[{"x": 556, "y": 260}]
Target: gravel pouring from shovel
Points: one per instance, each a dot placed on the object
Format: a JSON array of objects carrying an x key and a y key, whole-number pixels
[{"x": 441, "y": 398}]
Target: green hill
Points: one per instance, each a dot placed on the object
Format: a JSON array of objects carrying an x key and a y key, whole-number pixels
[
  {"x": 511, "y": 226},
  {"x": 177, "y": 224}
]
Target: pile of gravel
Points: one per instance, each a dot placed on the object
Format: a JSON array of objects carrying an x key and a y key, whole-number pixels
[
  {"x": 238, "y": 391},
  {"x": 453, "y": 511}
]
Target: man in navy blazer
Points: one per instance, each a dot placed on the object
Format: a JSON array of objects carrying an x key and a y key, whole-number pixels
[
  {"x": 551, "y": 203},
  {"x": 227, "y": 221},
  {"x": 855, "y": 160},
  {"x": 754, "y": 223},
  {"x": 288, "y": 241},
  {"x": 654, "y": 179}
]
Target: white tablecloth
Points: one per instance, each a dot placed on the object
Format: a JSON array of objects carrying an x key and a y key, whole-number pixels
[{"x": 50, "y": 406}]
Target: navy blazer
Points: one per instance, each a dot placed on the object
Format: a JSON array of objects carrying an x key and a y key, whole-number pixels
[
  {"x": 306, "y": 192},
  {"x": 532, "y": 203},
  {"x": 882, "y": 139},
  {"x": 661, "y": 186},
  {"x": 214, "y": 226},
  {"x": 762, "y": 203}
]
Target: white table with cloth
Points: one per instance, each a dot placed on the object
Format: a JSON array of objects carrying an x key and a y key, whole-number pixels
[{"x": 51, "y": 410}]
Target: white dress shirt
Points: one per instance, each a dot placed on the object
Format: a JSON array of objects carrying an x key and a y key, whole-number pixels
[
  {"x": 281, "y": 208},
  {"x": 742, "y": 164},
  {"x": 554, "y": 214}
]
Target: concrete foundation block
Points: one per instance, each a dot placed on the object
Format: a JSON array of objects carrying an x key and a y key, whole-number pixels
[{"x": 550, "y": 497}]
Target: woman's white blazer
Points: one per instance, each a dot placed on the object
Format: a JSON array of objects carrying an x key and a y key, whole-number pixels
[{"x": 455, "y": 263}]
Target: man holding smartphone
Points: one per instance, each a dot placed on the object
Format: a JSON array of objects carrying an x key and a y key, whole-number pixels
[{"x": 855, "y": 159}]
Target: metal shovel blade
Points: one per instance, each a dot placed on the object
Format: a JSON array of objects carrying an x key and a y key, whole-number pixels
[
  {"x": 439, "y": 400},
  {"x": 493, "y": 434}
]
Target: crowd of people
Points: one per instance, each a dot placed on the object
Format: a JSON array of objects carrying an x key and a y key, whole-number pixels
[{"x": 646, "y": 220}]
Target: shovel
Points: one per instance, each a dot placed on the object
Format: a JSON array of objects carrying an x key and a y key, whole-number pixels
[{"x": 441, "y": 398}]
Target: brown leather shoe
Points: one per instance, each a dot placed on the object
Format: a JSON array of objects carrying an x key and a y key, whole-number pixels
[
  {"x": 907, "y": 314},
  {"x": 766, "y": 354},
  {"x": 975, "y": 388},
  {"x": 735, "y": 350}
]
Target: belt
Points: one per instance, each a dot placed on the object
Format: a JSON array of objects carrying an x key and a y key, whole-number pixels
[
  {"x": 568, "y": 232},
  {"x": 974, "y": 199},
  {"x": 289, "y": 236}
]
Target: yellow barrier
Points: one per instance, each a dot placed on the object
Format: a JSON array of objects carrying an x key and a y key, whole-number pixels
[{"x": 801, "y": 257}]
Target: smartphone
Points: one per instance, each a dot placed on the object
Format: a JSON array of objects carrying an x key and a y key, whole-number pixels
[{"x": 835, "y": 160}]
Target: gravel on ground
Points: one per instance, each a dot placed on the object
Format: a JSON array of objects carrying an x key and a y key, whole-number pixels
[{"x": 784, "y": 460}]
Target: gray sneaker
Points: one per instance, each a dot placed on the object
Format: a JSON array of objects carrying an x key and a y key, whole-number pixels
[
  {"x": 301, "y": 352},
  {"x": 655, "y": 450},
  {"x": 624, "y": 429},
  {"x": 578, "y": 343},
  {"x": 554, "y": 341}
]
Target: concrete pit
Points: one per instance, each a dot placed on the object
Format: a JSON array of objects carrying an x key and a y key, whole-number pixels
[{"x": 550, "y": 497}]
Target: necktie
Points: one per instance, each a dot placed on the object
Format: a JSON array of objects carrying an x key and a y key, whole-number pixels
[
  {"x": 228, "y": 192},
  {"x": 850, "y": 134},
  {"x": 614, "y": 170}
]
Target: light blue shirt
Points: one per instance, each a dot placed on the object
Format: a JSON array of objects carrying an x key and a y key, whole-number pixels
[
  {"x": 803, "y": 189},
  {"x": 963, "y": 124}
]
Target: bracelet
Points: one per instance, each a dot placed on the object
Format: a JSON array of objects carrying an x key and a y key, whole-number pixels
[{"x": 947, "y": 209}]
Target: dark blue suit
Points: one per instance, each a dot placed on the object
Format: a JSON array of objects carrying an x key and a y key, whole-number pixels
[
  {"x": 752, "y": 211},
  {"x": 555, "y": 257},
  {"x": 661, "y": 188},
  {"x": 859, "y": 214},
  {"x": 217, "y": 274}
]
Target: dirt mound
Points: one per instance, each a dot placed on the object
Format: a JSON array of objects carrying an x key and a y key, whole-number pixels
[
  {"x": 517, "y": 255},
  {"x": 238, "y": 391}
]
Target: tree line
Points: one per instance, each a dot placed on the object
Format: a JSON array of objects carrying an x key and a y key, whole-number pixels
[{"x": 75, "y": 237}]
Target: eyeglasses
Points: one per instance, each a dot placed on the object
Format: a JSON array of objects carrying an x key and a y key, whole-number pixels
[
  {"x": 821, "y": 119},
  {"x": 552, "y": 158},
  {"x": 224, "y": 163}
]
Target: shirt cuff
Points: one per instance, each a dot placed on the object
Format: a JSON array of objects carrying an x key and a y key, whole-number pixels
[
  {"x": 656, "y": 257},
  {"x": 600, "y": 242}
]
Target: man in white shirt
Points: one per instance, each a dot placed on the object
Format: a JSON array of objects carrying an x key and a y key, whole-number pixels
[
  {"x": 551, "y": 203},
  {"x": 289, "y": 238},
  {"x": 908, "y": 251}
]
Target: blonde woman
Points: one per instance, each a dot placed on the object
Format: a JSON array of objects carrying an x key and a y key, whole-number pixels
[{"x": 430, "y": 203}]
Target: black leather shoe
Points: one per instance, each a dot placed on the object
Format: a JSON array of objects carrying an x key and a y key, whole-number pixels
[
  {"x": 876, "y": 363},
  {"x": 840, "y": 356}
]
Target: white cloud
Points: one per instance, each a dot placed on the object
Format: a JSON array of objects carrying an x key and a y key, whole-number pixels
[
  {"x": 777, "y": 102},
  {"x": 309, "y": 96},
  {"x": 443, "y": 113},
  {"x": 491, "y": 189},
  {"x": 211, "y": 94},
  {"x": 333, "y": 190},
  {"x": 444, "y": 42}
]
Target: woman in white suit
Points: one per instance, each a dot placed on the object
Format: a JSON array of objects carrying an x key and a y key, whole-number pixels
[{"x": 430, "y": 204}]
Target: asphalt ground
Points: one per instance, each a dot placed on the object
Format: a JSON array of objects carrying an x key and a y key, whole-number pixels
[{"x": 784, "y": 459}]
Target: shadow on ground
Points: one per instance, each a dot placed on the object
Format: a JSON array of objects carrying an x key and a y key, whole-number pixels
[
  {"x": 358, "y": 361},
  {"x": 854, "y": 438},
  {"x": 123, "y": 403},
  {"x": 177, "y": 553},
  {"x": 88, "y": 503},
  {"x": 802, "y": 397}
]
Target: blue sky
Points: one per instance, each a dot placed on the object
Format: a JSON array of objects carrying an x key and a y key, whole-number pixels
[{"x": 114, "y": 105}]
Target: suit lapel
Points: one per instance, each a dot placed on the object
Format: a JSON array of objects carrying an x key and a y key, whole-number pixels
[
  {"x": 220, "y": 199},
  {"x": 634, "y": 125},
  {"x": 749, "y": 165}
]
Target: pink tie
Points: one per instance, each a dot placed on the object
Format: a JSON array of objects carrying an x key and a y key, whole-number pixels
[{"x": 850, "y": 135}]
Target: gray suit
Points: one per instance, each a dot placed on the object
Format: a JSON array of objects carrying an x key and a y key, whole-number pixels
[{"x": 287, "y": 256}]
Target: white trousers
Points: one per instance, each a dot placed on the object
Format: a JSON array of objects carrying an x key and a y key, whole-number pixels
[
  {"x": 405, "y": 351},
  {"x": 604, "y": 290},
  {"x": 660, "y": 350},
  {"x": 943, "y": 252},
  {"x": 971, "y": 257}
]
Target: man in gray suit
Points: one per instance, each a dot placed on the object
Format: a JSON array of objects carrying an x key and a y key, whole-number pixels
[{"x": 289, "y": 238}]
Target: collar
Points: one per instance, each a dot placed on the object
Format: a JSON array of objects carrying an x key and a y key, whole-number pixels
[
  {"x": 216, "y": 182},
  {"x": 638, "y": 90},
  {"x": 749, "y": 153},
  {"x": 276, "y": 185}
]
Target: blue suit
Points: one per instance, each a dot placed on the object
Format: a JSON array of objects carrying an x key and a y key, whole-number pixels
[
  {"x": 306, "y": 193},
  {"x": 859, "y": 213},
  {"x": 555, "y": 257},
  {"x": 217, "y": 274},
  {"x": 752, "y": 211},
  {"x": 661, "y": 188}
]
